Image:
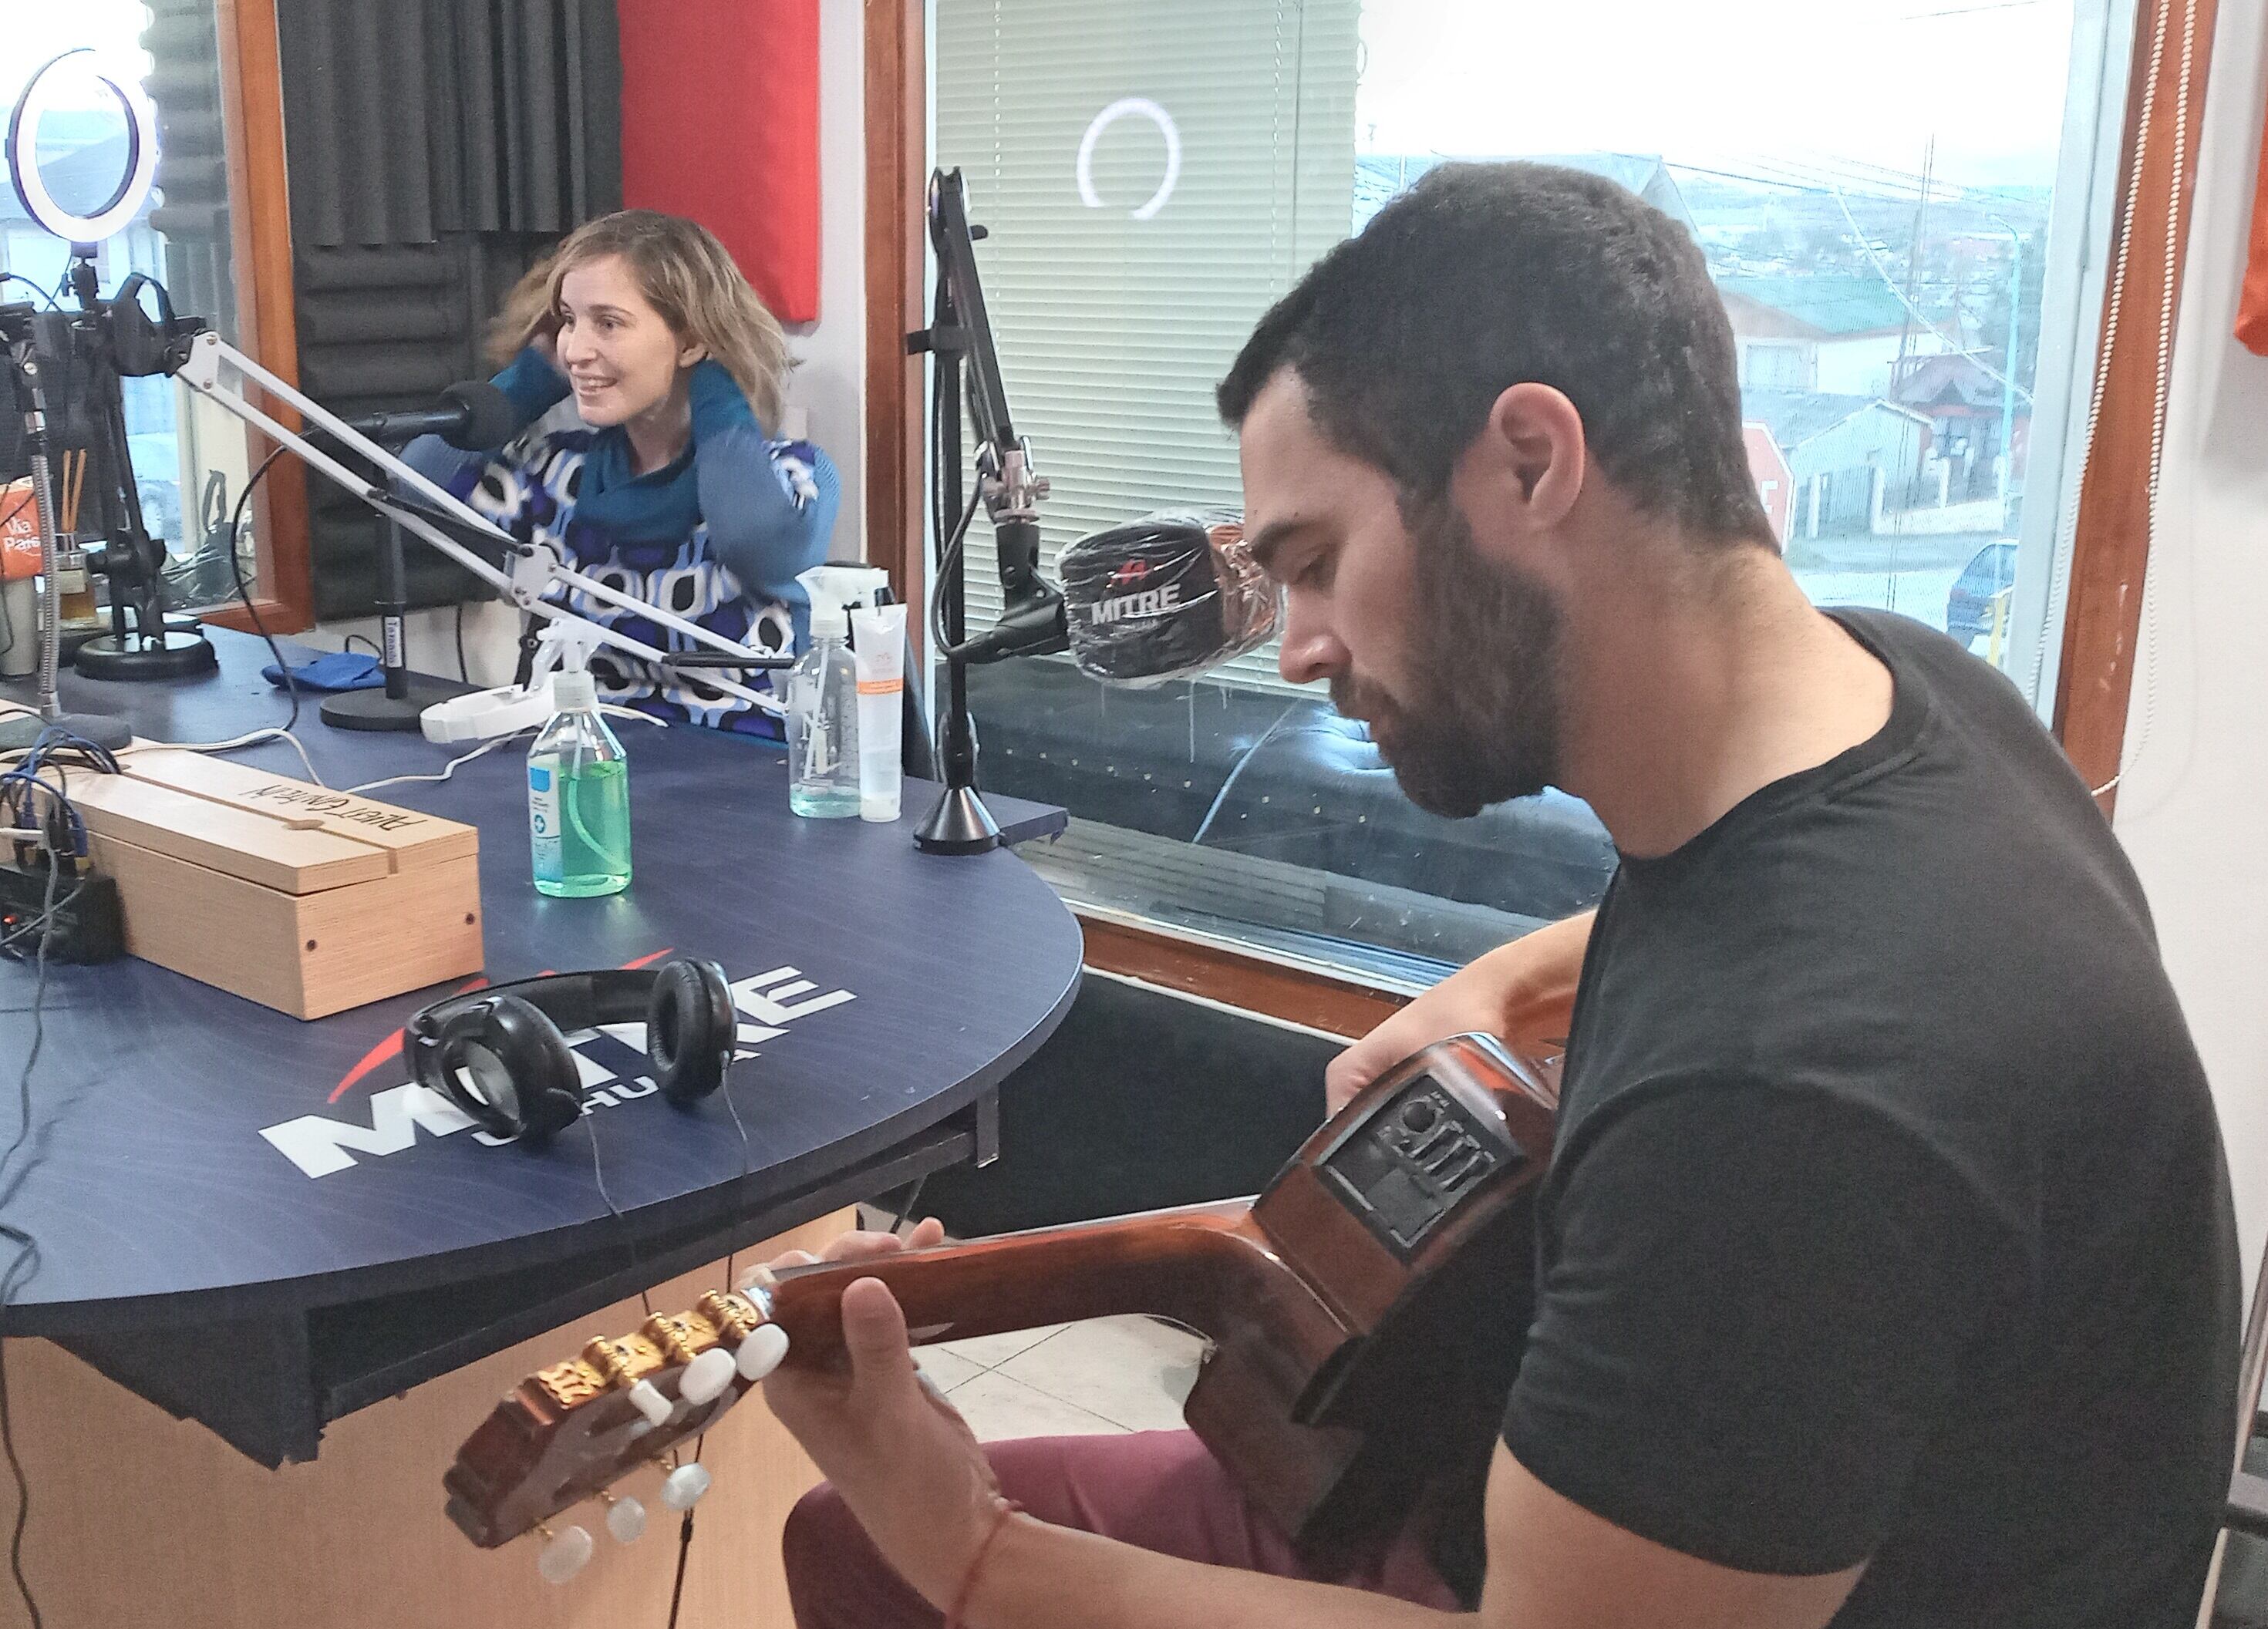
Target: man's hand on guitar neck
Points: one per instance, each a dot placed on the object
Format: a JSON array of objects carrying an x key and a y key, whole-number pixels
[
  {"x": 912, "y": 1472},
  {"x": 1523, "y": 991},
  {"x": 901, "y": 1455}
]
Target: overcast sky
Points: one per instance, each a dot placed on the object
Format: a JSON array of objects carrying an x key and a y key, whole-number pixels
[
  {"x": 35, "y": 30},
  {"x": 1723, "y": 83},
  {"x": 1736, "y": 85}
]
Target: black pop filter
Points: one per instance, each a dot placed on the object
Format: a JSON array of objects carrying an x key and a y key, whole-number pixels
[{"x": 1165, "y": 596}]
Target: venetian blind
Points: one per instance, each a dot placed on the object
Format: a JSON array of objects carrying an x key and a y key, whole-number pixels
[{"x": 1114, "y": 323}]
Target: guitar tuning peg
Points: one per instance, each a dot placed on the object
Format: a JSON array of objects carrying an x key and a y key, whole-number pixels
[
  {"x": 564, "y": 1554},
  {"x": 625, "y": 1518},
  {"x": 682, "y": 1488},
  {"x": 706, "y": 1377},
  {"x": 762, "y": 1352},
  {"x": 651, "y": 1403}
]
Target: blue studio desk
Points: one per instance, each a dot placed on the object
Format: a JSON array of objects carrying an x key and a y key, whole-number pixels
[{"x": 239, "y": 1216}]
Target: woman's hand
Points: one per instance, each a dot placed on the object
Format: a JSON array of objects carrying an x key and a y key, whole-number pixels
[
  {"x": 900, "y": 1455},
  {"x": 1518, "y": 991}
]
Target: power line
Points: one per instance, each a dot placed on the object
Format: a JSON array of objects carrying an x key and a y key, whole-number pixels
[
  {"x": 1967, "y": 11},
  {"x": 1867, "y": 247}
]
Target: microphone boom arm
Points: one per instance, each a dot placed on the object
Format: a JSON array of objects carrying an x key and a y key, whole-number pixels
[
  {"x": 530, "y": 573},
  {"x": 1032, "y": 622}
]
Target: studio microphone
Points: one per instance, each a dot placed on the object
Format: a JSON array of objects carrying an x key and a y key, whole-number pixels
[
  {"x": 1165, "y": 596},
  {"x": 472, "y": 414}
]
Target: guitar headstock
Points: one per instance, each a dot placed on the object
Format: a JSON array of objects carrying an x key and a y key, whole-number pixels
[{"x": 568, "y": 1433}]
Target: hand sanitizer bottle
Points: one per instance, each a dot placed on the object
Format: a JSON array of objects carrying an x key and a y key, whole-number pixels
[
  {"x": 578, "y": 797},
  {"x": 822, "y": 711}
]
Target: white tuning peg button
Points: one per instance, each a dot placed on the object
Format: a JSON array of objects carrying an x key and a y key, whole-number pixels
[
  {"x": 651, "y": 1403},
  {"x": 564, "y": 1554},
  {"x": 625, "y": 1519},
  {"x": 682, "y": 1488},
  {"x": 706, "y": 1377},
  {"x": 762, "y": 1352}
]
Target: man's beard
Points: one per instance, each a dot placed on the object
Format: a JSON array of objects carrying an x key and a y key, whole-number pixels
[{"x": 1481, "y": 724}]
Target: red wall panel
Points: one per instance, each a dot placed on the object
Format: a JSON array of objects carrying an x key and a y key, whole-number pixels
[{"x": 720, "y": 122}]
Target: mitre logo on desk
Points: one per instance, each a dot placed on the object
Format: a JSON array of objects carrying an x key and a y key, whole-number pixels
[{"x": 612, "y": 1060}]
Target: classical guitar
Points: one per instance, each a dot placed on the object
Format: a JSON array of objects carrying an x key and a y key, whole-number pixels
[{"x": 1365, "y": 1314}]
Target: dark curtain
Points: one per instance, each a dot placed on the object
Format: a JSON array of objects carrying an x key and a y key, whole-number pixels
[
  {"x": 434, "y": 149},
  {"x": 419, "y": 120}
]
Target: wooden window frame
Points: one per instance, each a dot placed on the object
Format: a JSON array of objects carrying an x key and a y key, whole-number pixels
[
  {"x": 260, "y": 227},
  {"x": 2111, "y": 539},
  {"x": 2111, "y": 550}
]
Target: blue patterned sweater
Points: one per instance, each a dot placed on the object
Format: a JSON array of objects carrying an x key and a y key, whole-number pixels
[{"x": 716, "y": 536}]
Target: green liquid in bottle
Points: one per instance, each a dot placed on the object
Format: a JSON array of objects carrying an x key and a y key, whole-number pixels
[
  {"x": 578, "y": 797},
  {"x": 590, "y": 853}
]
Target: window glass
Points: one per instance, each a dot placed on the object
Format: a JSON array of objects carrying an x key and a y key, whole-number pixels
[
  {"x": 179, "y": 237},
  {"x": 1893, "y": 212}
]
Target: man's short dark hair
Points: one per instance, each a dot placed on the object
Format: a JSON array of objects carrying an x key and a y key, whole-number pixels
[{"x": 1485, "y": 275}]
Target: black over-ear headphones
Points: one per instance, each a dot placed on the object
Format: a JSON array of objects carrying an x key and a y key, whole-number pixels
[{"x": 500, "y": 1055}]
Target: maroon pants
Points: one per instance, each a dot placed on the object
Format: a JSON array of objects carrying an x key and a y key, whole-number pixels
[{"x": 1158, "y": 1489}]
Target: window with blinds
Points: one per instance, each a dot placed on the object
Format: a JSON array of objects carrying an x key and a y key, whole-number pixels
[
  {"x": 1152, "y": 178},
  {"x": 1153, "y": 174}
]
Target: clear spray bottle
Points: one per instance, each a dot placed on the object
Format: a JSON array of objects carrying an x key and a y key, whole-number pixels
[
  {"x": 822, "y": 697},
  {"x": 579, "y": 796}
]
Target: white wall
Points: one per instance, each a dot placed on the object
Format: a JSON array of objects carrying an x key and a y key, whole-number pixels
[
  {"x": 830, "y": 381},
  {"x": 828, "y": 384},
  {"x": 2193, "y": 804}
]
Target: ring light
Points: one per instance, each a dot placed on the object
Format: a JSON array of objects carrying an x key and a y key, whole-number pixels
[
  {"x": 1144, "y": 107},
  {"x": 39, "y": 96}
]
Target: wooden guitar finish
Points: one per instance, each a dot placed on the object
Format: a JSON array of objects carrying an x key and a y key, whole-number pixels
[{"x": 1365, "y": 1313}]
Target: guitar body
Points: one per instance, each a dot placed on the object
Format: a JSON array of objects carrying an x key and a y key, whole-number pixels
[{"x": 1365, "y": 1313}]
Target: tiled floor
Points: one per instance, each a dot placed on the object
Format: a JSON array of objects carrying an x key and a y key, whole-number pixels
[{"x": 1107, "y": 1374}]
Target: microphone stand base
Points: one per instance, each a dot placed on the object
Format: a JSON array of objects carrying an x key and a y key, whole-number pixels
[
  {"x": 957, "y": 823},
  {"x": 173, "y": 654},
  {"x": 375, "y": 710}
]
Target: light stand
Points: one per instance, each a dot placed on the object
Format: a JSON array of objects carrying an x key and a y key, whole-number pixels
[
  {"x": 142, "y": 643},
  {"x": 18, "y": 330}
]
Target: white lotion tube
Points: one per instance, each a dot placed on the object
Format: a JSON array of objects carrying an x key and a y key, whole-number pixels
[{"x": 877, "y": 646}]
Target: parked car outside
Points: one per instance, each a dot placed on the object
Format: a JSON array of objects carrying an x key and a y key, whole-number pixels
[{"x": 1991, "y": 572}]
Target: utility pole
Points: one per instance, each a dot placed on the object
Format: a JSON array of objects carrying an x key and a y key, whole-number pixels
[{"x": 2008, "y": 366}]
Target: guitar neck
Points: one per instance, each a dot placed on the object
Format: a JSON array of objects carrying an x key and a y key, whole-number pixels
[{"x": 1207, "y": 1267}]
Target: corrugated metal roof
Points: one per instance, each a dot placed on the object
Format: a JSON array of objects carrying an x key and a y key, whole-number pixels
[
  {"x": 1833, "y": 303},
  {"x": 1795, "y": 416}
]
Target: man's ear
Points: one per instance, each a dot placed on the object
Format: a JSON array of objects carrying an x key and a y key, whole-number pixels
[{"x": 1521, "y": 473}]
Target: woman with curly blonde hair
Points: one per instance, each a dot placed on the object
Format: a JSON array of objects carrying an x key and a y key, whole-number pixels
[{"x": 670, "y": 482}]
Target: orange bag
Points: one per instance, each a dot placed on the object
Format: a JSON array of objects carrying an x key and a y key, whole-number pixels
[
  {"x": 20, "y": 532},
  {"x": 2252, "y": 304}
]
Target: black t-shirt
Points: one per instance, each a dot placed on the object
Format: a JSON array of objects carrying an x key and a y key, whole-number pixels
[{"x": 1887, "y": 1220}]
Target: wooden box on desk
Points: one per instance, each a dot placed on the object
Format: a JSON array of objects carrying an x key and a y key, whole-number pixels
[{"x": 307, "y": 901}]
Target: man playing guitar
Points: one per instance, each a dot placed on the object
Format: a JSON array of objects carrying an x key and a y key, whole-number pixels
[{"x": 1886, "y": 1272}]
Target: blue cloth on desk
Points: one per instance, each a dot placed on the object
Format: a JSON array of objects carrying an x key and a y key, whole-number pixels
[{"x": 338, "y": 670}]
